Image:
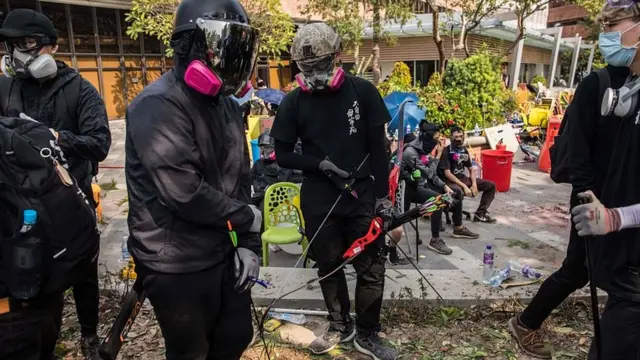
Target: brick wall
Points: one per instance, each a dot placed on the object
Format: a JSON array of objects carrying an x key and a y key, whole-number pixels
[{"x": 566, "y": 13}]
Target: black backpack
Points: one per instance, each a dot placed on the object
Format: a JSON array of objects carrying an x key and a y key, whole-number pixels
[
  {"x": 559, "y": 151},
  {"x": 33, "y": 176}
]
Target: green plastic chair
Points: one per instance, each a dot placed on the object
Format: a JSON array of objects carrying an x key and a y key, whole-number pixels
[{"x": 283, "y": 222}]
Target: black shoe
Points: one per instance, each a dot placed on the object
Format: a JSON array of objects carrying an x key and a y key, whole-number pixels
[
  {"x": 395, "y": 259},
  {"x": 90, "y": 345},
  {"x": 373, "y": 346},
  {"x": 484, "y": 218},
  {"x": 464, "y": 233}
]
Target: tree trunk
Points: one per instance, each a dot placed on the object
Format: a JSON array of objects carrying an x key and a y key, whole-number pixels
[
  {"x": 465, "y": 44},
  {"x": 520, "y": 36},
  {"x": 375, "y": 50},
  {"x": 437, "y": 39},
  {"x": 356, "y": 55}
]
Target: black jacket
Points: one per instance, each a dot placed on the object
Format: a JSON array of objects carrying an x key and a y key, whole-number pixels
[
  {"x": 187, "y": 170},
  {"x": 70, "y": 105},
  {"x": 604, "y": 158},
  {"x": 267, "y": 172}
]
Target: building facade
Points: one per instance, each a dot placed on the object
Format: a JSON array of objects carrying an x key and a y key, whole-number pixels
[{"x": 569, "y": 16}]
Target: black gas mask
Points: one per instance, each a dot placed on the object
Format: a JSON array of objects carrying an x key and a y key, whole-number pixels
[{"x": 427, "y": 132}]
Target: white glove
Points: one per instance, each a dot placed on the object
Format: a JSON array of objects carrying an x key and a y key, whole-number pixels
[
  {"x": 593, "y": 218},
  {"x": 257, "y": 219},
  {"x": 247, "y": 269}
]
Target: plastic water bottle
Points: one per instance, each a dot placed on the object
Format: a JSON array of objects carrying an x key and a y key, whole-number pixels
[
  {"x": 124, "y": 257},
  {"x": 298, "y": 319},
  {"x": 407, "y": 129},
  {"x": 395, "y": 134},
  {"x": 476, "y": 130},
  {"x": 525, "y": 270},
  {"x": 500, "y": 276},
  {"x": 476, "y": 169},
  {"x": 26, "y": 274},
  {"x": 416, "y": 130},
  {"x": 488, "y": 264}
]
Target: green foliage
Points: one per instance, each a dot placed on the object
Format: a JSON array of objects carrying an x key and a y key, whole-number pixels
[
  {"x": 399, "y": 80},
  {"x": 470, "y": 92},
  {"x": 539, "y": 78},
  {"x": 583, "y": 61},
  {"x": 155, "y": 18}
]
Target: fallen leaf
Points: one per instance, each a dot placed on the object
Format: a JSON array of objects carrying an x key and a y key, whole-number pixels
[
  {"x": 563, "y": 330},
  {"x": 582, "y": 341}
]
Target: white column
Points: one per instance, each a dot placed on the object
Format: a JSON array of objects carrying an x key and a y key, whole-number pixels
[
  {"x": 574, "y": 62},
  {"x": 591, "y": 54},
  {"x": 517, "y": 61},
  {"x": 554, "y": 56}
]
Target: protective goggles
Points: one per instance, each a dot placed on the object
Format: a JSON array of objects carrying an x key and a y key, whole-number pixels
[
  {"x": 621, "y": 3},
  {"x": 28, "y": 43},
  {"x": 231, "y": 50},
  {"x": 323, "y": 64}
]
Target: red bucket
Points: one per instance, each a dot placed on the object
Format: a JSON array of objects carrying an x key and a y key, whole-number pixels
[{"x": 496, "y": 167}]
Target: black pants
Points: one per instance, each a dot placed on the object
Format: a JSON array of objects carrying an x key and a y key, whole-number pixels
[
  {"x": 486, "y": 187},
  {"x": 200, "y": 314},
  {"x": 86, "y": 294},
  {"x": 32, "y": 332},
  {"x": 571, "y": 276},
  {"x": 332, "y": 241},
  {"x": 419, "y": 194},
  {"x": 620, "y": 330}
]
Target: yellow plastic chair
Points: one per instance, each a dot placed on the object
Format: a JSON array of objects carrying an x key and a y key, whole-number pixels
[{"x": 283, "y": 222}]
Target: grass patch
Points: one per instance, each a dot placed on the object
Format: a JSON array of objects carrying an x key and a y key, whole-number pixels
[{"x": 112, "y": 185}]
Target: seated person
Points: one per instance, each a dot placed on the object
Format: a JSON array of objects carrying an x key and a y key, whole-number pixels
[
  {"x": 266, "y": 172},
  {"x": 395, "y": 234},
  {"x": 417, "y": 157},
  {"x": 455, "y": 162}
]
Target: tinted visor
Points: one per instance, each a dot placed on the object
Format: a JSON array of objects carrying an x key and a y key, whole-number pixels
[
  {"x": 27, "y": 43},
  {"x": 230, "y": 51},
  {"x": 324, "y": 64},
  {"x": 621, "y": 3}
]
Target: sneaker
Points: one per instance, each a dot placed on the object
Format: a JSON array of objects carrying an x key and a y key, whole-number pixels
[
  {"x": 325, "y": 343},
  {"x": 485, "y": 218},
  {"x": 529, "y": 341},
  {"x": 438, "y": 245},
  {"x": 330, "y": 339},
  {"x": 373, "y": 346},
  {"x": 464, "y": 233},
  {"x": 90, "y": 345},
  {"x": 395, "y": 259}
]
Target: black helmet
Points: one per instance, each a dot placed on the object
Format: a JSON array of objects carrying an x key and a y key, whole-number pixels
[
  {"x": 218, "y": 33},
  {"x": 265, "y": 139}
]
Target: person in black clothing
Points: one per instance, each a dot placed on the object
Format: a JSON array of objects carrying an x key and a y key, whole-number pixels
[
  {"x": 417, "y": 156},
  {"x": 46, "y": 90},
  {"x": 603, "y": 160},
  {"x": 266, "y": 171},
  {"x": 455, "y": 162},
  {"x": 187, "y": 170},
  {"x": 340, "y": 121},
  {"x": 397, "y": 233}
]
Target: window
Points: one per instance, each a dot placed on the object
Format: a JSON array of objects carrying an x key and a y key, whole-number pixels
[
  {"x": 82, "y": 23},
  {"x": 107, "y": 31},
  {"x": 263, "y": 74},
  {"x": 129, "y": 45},
  {"x": 23, "y": 4},
  {"x": 423, "y": 71},
  {"x": 56, "y": 14},
  {"x": 151, "y": 45}
]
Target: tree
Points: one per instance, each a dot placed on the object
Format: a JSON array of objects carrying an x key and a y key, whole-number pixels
[
  {"x": 523, "y": 9},
  {"x": 155, "y": 18},
  {"x": 349, "y": 17},
  {"x": 466, "y": 17},
  {"x": 344, "y": 17}
]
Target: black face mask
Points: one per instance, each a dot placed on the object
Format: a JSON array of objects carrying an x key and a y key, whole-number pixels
[
  {"x": 457, "y": 143},
  {"x": 428, "y": 142}
]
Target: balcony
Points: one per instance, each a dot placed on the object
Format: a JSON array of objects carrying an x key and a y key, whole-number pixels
[{"x": 566, "y": 13}]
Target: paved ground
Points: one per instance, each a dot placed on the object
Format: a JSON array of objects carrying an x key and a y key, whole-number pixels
[{"x": 533, "y": 227}]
